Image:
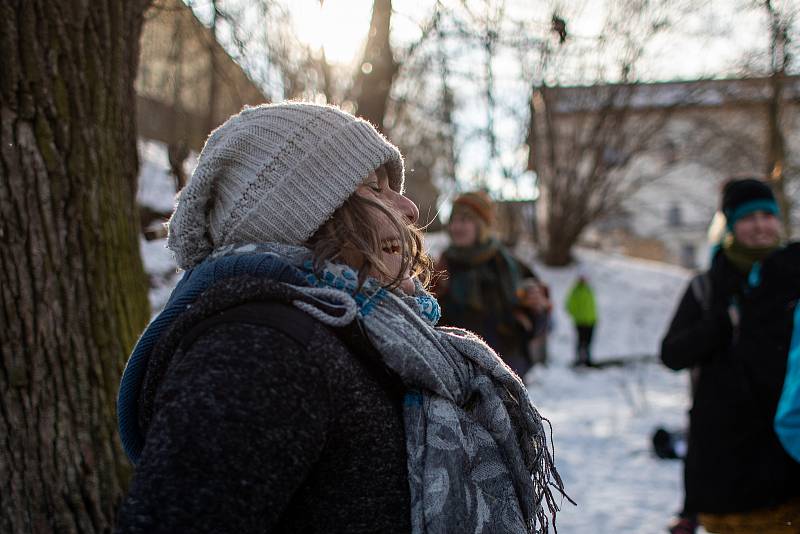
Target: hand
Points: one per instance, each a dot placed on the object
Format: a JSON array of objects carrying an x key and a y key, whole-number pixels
[
  {"x": 524, "y": 321},
  {"x": 534, "y": 297}
]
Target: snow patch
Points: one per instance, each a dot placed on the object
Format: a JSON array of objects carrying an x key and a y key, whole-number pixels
[
  {"x": 635, "y": 302},
  {"x": 156, "y": 184},
  {"x": 161, "y": 268}
]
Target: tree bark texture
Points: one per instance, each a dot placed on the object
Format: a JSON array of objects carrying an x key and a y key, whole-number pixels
[
  {"x": 72, "y": 289},
  {"x": 776, "y": 155},
  {"x": 776, "y": 145},
  {"x": 378, "y": 69}
]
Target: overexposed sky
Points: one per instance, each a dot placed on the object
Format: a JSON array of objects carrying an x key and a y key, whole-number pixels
[
  {"x": 338, "y": 26},
  {"x": 713, "y": 40}
]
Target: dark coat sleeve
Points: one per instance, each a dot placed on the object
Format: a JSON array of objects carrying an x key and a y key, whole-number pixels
[
  {"x": 694, "y": 336},
  {"x": 240, "y": 420}
]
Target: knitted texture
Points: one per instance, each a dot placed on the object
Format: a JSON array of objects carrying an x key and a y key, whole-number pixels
[
  {"x": 276, "y": 173},
  {"x": 479, "y": 202},
  {"x": 744, "y": 196},
  {"x": 251, "y": 431}
]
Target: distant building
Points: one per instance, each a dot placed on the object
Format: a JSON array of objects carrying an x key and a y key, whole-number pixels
[
  {"x": 714, "y": 129},
  {"x": 186, "y": 86}
]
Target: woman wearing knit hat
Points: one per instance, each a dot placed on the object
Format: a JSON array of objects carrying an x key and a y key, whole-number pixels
[
  {"x": 485, "y": 289},
  {"x": 295, "y": 381},
  {"x": 733, "y": 327}
]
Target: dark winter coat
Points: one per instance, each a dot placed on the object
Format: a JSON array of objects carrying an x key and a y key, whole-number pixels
[
  {"x": 260, "y": 419},
  {"x": 477, "y": 292},
  {"x": 735, "y": 462}
]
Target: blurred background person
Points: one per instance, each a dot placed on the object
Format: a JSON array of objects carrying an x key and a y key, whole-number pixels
[
  {"x": 733, "y": 326},
  {"x": 580, "y": 305},
  {"x": 482, "y": 287}
]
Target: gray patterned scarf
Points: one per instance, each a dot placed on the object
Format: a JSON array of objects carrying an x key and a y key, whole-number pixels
[{"x": 478, "y": 458}]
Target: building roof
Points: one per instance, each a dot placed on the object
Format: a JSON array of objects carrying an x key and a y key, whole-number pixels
[{"x": 694, "y": 93}]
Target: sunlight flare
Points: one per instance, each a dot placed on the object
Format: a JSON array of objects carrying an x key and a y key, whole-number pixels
[{"x": 339, "y": 27}]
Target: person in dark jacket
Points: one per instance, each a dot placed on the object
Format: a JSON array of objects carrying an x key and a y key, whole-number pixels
[
  {"x": 483, "y": 288},
  {"x": 295, "y": 381},
  {"x": 735, "y": 334}
]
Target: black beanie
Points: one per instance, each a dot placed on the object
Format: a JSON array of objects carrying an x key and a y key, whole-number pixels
[{"x": 744, "y": 196}]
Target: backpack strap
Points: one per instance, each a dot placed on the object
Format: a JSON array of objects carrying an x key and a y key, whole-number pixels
[
  {"x": 297, "y": 324},
  {"x": 281, "y": 316}
]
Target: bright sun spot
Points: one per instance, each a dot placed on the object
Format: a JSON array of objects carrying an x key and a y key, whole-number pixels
[{"x": 338, "y": 26}]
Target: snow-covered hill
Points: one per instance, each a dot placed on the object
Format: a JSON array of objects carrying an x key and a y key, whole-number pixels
[
  {"x": 603, "y": 419},
  {"x": 635, "y": 300}
]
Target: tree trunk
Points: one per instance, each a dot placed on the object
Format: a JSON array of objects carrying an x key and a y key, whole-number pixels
[
  {"x": 378, "y": 69},
  {"x": 776, "y": 150},
  {"x": 557, "y": 254},
  {"x": 561, "y": 233},
  {"x": 213, "y": 71},
  {"x": 776, "y": 155},
  {"x": 72, "y": 289},
  {"x": 556, "y": 229}
]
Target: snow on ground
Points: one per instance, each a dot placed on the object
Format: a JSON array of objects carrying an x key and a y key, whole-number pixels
[
  {"x": 635, "y": 301},
  {"x": 156, "y": 191},
  {"x": 602, "y": 419},
  {"x": 160, "y": 266},
  {"x": 156, "y": 185},
  {"x": 602, "y": 422}
]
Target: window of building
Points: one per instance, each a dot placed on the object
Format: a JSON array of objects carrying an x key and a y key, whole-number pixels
[
  {"x": 688, "y": 255},
  {"x": 675, "y": 216}
]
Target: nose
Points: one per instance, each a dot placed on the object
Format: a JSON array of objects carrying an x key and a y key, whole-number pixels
[
  {"x": 406, "y": 206},
  {"x": 760, "y": 220}
]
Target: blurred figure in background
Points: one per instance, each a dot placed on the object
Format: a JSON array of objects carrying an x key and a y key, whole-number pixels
[
  {"x": 733, "y": 327},
  {"x": 580, "y": 305},
  {"x": 485, "y": 289}
]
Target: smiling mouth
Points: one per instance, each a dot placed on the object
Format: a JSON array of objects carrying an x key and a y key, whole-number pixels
[{"x": 392, "y": 246}]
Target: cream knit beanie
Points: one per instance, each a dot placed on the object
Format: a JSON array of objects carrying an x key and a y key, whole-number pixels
[{"x": 275, "y": 173}]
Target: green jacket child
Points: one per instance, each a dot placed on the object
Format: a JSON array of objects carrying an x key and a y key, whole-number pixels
[{"x": 581, "y": 305}]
